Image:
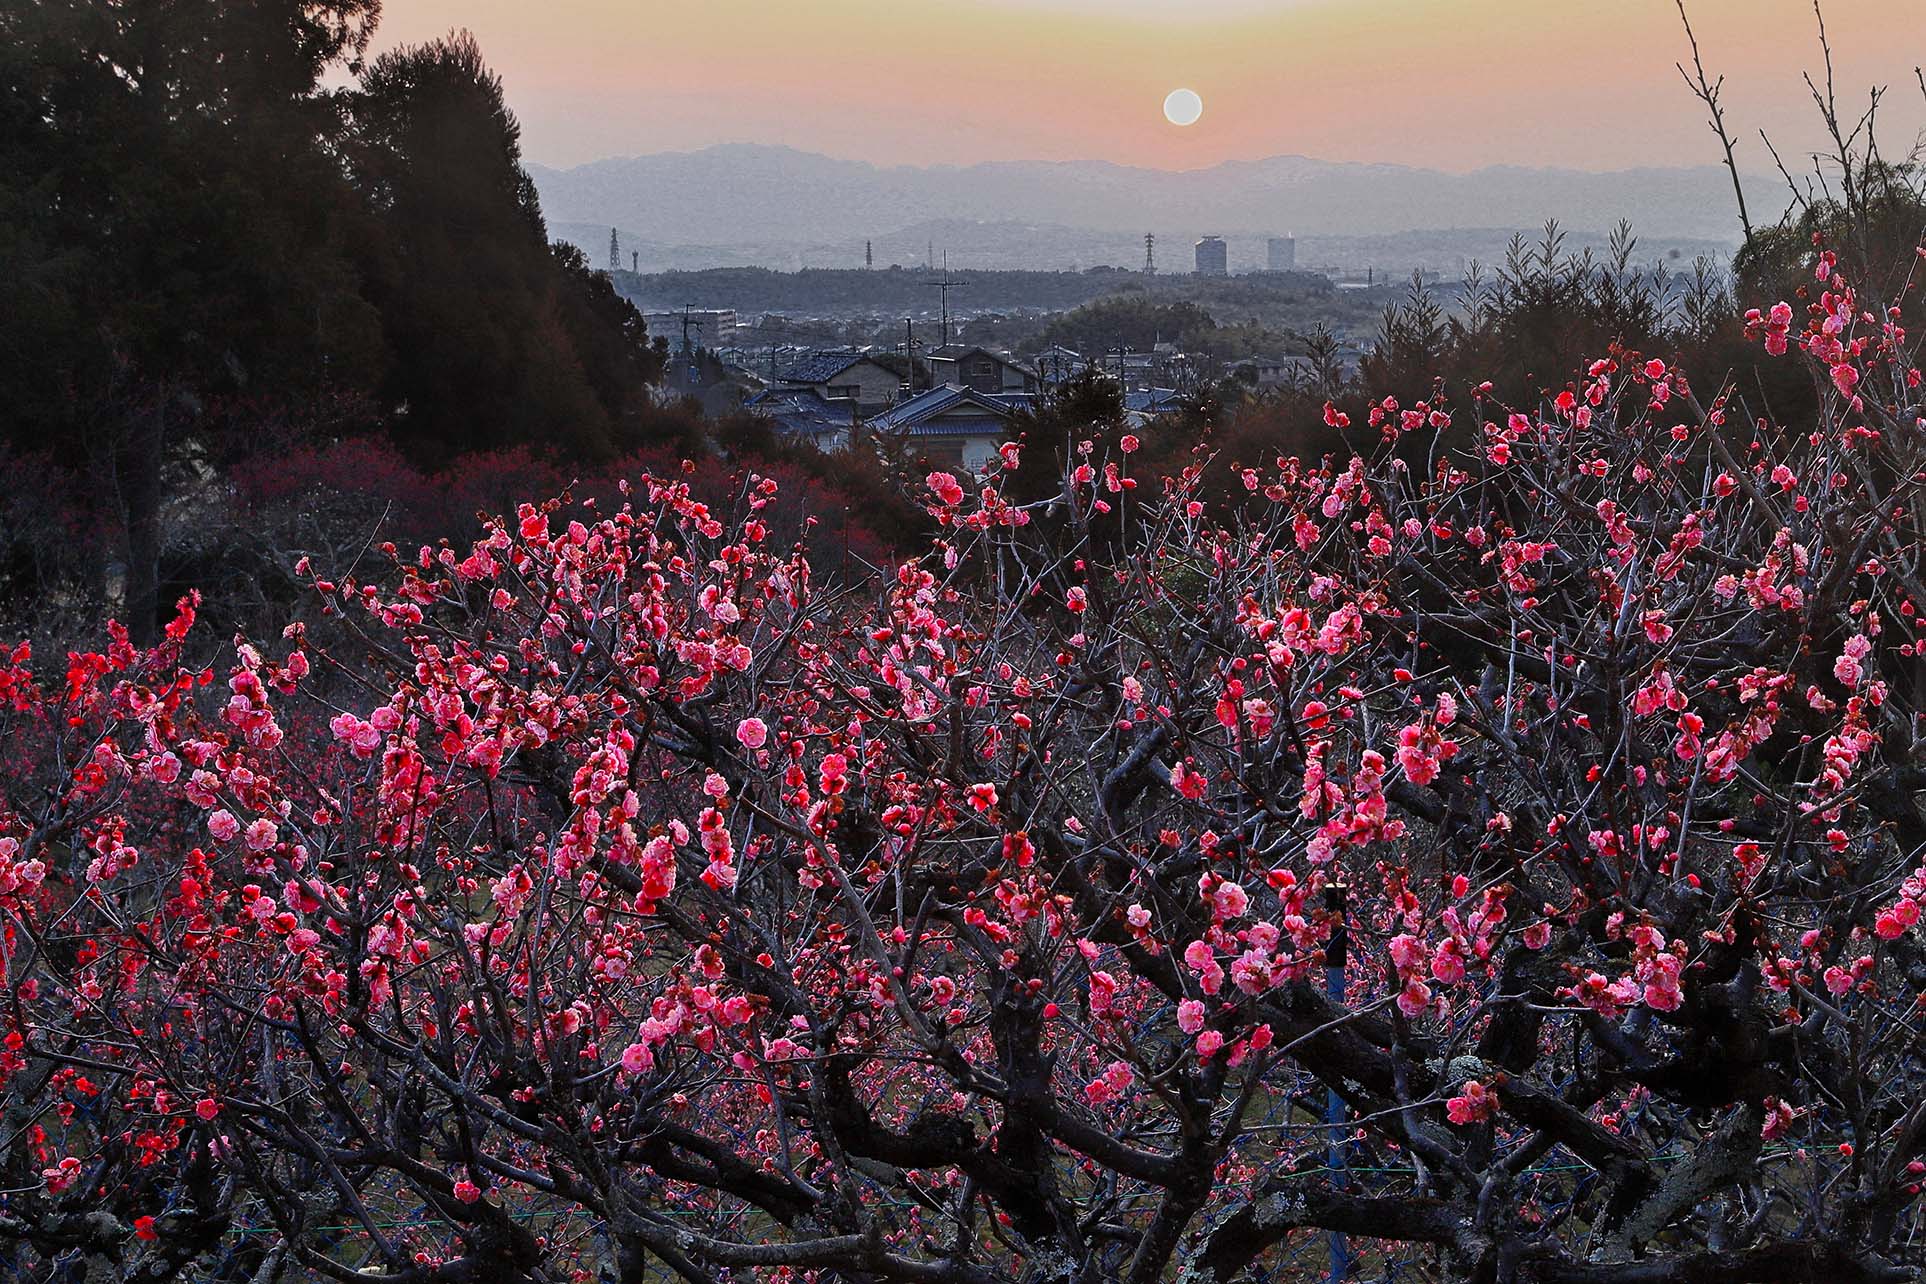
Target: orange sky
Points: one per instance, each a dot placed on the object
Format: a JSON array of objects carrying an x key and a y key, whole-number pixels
[{"x": 1453, "y": 84}]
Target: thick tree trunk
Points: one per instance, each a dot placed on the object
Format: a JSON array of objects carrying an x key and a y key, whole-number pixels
[{"x": 142, "y": 496}]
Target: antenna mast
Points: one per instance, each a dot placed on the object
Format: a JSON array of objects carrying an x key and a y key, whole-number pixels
[{"x": 943, "y": 288}]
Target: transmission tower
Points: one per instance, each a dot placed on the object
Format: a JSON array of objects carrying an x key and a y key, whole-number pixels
[
  {"x": 1150, "y": 254},
  {"x": 615, "y": 251},
  {"x": 869, "y": 254}
]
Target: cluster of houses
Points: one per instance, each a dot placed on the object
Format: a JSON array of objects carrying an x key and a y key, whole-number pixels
[
  {"x": 956, "y": 406},
  {"x": 953, "y": 405},
  {"x": 958, "y": 418}
]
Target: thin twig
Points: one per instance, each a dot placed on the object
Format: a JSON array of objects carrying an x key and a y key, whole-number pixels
[{"x": 1707, "y": 92}]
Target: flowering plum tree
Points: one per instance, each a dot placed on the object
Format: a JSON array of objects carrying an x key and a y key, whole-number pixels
[{"x": 606, "y": 899}]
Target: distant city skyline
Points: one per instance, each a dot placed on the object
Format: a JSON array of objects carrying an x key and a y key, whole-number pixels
[{"x": 1449, "y": 84}]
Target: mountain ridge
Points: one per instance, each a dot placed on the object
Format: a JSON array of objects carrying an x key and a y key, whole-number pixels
[{"x": 735, "y": 196}]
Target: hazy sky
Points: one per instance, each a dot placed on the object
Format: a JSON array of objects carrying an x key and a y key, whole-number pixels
[{"x": 1454, "y": 84}]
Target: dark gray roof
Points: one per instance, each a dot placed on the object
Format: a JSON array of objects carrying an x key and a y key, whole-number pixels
[
  {"x": 918, "y": 415},
  {"x": 801, "y": 412},
  {"x": 1153, "y": 400},
  {"x": 820, "y": 367},
  {"x": 958, "y": 351}
]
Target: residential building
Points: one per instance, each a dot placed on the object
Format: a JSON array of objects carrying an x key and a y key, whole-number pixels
[
  {"x": 1057, "y": 364},
  {"x": 1282, "y": 253},
  {"x": 1134, "y": 369},
  {"x": 845, "y": 376},
  {"x": 978, "y": 369},
  {"x": 1143, "y": 406},
  {"x": 1213, "y": 259},
  {"x": 1267, "y": 372},
  {"x": 952, "y": 426},
  {"x": 805, "y": 414},
  {"x": 1153, "y": 401}
]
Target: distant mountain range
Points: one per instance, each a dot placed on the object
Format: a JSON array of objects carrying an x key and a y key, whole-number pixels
[{"x": 774, "y": 206}]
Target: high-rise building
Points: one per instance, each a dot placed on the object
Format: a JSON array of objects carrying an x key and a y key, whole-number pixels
[
  {"x": 1212, "y": 258},
  {"x": 1283, "y": 253}
]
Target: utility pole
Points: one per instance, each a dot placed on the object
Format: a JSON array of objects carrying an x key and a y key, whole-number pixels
[
  {"x": 1150, "y": 254},
  {"x": 1337, "y": 951},
  {"x": 909, "y": 354},
  {"x": 688, "y": 351}
]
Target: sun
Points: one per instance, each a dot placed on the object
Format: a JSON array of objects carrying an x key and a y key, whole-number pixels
[{"x": 1183, "y": 107}]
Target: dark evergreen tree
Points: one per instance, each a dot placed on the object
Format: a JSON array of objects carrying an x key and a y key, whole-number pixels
[
  {"x": 171, "y": 228},
  {"x": 493, "y": 339}
]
